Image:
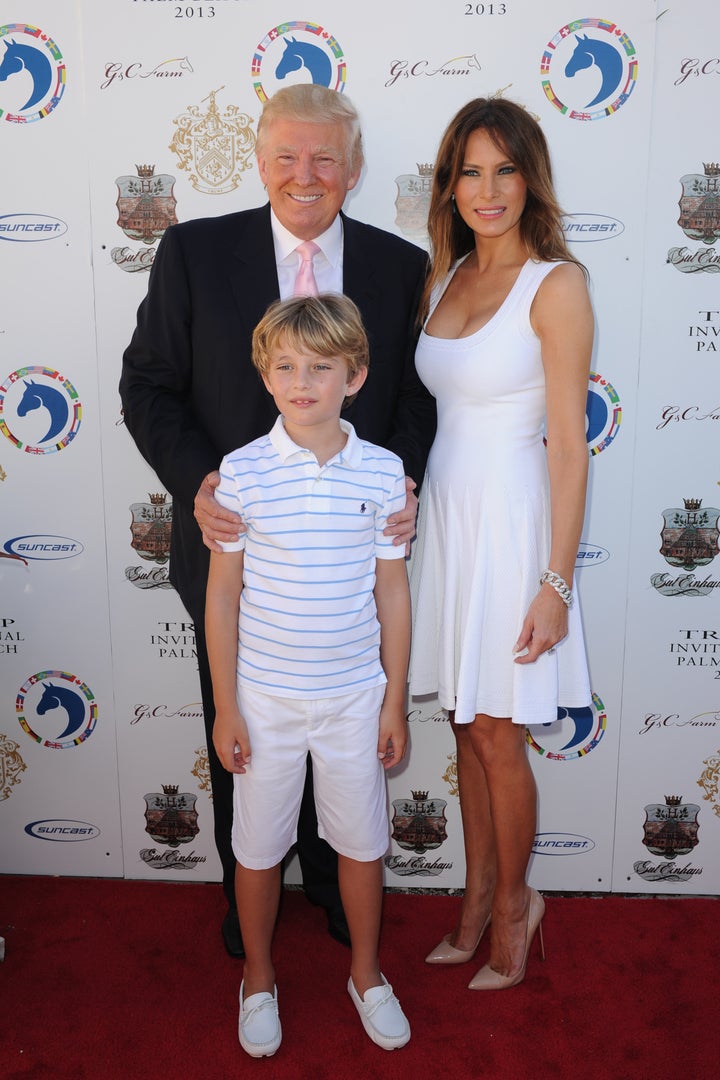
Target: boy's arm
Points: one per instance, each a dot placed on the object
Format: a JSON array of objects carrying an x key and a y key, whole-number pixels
[
  {"x": 230, "y": 736},
  {"x": 392, "y": 600}
]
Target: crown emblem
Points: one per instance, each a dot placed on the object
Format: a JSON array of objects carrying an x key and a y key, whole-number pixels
[
  {"x": 145, "y": 171},
  {"x": 157, "y": 498},
  {"x": 692, "y": 504},
  {"x": 170, "y": 789},
  {"x": 419, "y": 796},
  {"x": 673, "y": 800},
  {"x": 712, "y": 168},
  {"x": 425, "y": 168}
]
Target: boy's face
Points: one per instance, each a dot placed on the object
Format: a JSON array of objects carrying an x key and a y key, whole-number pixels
[{"x": 308, "y": 389}]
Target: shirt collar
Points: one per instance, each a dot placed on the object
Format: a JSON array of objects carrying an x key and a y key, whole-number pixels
[
  {"x": 329, "y": 242},
  {"x": 350, "y": 455}
]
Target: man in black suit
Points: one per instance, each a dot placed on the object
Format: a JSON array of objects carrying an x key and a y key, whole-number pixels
[{"x": 190, "y": 393}]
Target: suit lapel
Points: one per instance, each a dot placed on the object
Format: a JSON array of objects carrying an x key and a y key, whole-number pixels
[
  {"x": 251, "y": 265},
  {"x": 359, "y": 264},
  {"x": 253, "y": 273}
]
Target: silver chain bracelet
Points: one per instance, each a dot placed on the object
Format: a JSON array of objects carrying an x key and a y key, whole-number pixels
[{"x": 559, "y": 584}]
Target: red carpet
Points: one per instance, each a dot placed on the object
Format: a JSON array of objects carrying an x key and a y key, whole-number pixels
[{"x": 125, "y": 980}]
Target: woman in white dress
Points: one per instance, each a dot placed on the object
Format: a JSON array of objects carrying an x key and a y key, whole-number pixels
[{"x": 505, "y": 350}]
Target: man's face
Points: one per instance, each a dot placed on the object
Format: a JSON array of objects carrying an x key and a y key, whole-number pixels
[{"x": 307, "y": 172}]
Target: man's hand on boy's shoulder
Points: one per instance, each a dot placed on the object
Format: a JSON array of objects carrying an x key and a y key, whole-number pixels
[
  {"x": 216, "y": 523},
  {"x": 393, "y": 736}
]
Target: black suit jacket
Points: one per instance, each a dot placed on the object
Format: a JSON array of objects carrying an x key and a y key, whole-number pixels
[{"x": 190, "y": 393}]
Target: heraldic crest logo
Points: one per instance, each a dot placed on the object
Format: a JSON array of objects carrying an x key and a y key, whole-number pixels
[
  {"x": 699, "y": 219},
  {"x": 170, "y": 816},
  {"x": 214, "y": 147},
  {"x": 150, "y": 531},
  {"x": 700, "y": 204},
  {"x": 690, "y": 535},
  {"x": 419, "y": 823},
  {"x": 11, "y": 765},
  {"x": 146, "y": 204},
  {"x": 672, "y": 829},
  {"x": 710, "y": 781}
]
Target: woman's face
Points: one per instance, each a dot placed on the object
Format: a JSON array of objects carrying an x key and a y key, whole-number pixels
[{"x": 490, "y": 193}]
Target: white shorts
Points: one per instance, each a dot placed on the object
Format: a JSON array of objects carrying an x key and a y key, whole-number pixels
[{"x": 341, "y": 734}]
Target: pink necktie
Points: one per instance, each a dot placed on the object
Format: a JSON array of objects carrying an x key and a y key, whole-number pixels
[{"x": 305, "y": 283}]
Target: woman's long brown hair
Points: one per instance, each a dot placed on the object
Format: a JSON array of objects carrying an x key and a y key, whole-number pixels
[{"x": 517, "y": 134}]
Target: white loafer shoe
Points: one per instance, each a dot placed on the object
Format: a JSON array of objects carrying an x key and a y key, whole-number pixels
[
  {"x": 381, "y": 1015},
  {"x": 259, "y": 1025}
]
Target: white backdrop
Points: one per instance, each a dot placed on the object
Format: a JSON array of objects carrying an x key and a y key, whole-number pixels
[{"x": 118, "y": 118}]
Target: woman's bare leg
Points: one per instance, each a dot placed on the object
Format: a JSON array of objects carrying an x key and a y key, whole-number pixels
[
  {"x": 501, "y": 748},
  {"x": 478, "y": 839}
]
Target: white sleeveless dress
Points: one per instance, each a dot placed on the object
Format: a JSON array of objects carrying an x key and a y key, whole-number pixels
[{"x": 484, "y": 524}]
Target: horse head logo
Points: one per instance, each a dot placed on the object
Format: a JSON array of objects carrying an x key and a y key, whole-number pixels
[
  {"x": 20, "y": 57},
  {"x": 37, "y": 396},
  {"x": 589, "y": 53},
  {"x": 583, "y": 721},
  {"x": 596, "y": 416},
  {"x": 61, "y": 697},
  {"x": 299, "y": 55},
  {"x": 603, "y": 414}
]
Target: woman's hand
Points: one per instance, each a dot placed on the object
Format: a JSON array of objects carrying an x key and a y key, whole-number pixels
[
  {"x": 546, "y": 623},
  {"x": 401, "y": 526}
]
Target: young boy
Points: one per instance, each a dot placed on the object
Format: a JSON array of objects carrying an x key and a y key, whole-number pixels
[{"x": 308, "y": 628}]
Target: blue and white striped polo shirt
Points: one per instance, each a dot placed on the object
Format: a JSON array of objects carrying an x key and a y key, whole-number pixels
[{"x": 308, "y": 623}]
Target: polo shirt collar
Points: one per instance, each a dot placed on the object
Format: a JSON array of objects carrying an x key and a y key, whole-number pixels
[{"x": 350, "y": 455}]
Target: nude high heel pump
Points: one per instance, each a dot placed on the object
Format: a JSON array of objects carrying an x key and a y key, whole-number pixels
[
  {"x": 445, "y": 953},
  {"x": 489, "y": 979}
]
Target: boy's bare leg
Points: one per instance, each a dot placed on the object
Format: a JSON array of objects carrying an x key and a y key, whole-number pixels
[
  {"x": 361, "y": 892},
  {"x": 257, "y": 893}
]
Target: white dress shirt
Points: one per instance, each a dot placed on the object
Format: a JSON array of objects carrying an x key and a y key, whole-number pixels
[{"x": 327, "y": 264}]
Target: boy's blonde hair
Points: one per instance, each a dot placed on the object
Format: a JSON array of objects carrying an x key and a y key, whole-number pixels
[{"x": 327, "y": 325}]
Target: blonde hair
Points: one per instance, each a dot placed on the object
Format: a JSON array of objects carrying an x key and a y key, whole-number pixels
[
  {"x": 326, "y": 325},
  {"x": 314, "y": 104},
  {"x": 516, "y": 133}
]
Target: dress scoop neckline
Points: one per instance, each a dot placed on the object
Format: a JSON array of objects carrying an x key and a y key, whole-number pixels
[{"x": 493, "y": 317}]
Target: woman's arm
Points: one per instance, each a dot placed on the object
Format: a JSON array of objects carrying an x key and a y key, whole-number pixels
[{"x": 562, "y": 318}]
